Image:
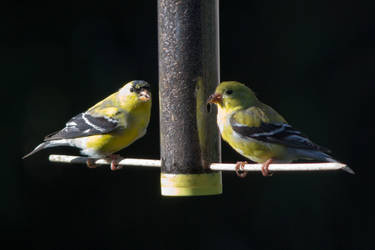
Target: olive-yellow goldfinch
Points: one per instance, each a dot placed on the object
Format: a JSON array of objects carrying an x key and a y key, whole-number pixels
[
  {"x": 258, "y": 132},
  {"x": 107, "y": 127}
]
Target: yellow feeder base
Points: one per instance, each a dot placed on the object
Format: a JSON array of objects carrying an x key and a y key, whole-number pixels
[{"x": 191, "y": 184}]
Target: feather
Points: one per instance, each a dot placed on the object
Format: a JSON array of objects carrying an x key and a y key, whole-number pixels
[
  {"x": 279, "y": 133},
  {"x": 48, "y": 144},
  {"x": 84, "y": 124}
]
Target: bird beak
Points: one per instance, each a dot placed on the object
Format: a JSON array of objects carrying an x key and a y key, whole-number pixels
[
  {"x": 144, "y": 95},
  {"x": 215, "y": 98}
]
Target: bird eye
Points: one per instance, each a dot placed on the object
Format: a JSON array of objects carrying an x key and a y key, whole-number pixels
[
  {"x": 131, "y": 89},
  {"x": 229, "y": 92}
]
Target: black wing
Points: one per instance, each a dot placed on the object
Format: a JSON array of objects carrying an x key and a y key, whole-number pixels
[
  {"x": 84, "y": 124},
  {"x": 279, "y": 133}
]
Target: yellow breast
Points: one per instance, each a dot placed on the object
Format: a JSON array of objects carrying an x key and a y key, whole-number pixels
[
  {"x": 106, "y": 144},
  {"x": 252, "y": 149}
]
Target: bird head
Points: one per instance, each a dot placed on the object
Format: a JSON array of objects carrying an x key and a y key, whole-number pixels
[
  {"x": 233, "y": 95},
  {"x": 137, "y": 90}
]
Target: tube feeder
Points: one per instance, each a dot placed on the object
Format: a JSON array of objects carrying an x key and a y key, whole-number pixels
[{"x": 188, "y": 34}]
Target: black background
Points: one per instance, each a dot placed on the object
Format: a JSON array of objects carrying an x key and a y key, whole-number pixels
[{"x": 311, "y": 60}]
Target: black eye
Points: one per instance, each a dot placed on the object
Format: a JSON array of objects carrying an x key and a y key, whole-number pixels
[
  {"x": 132, "y": 89},
  {"x": 229, "y": 92}
]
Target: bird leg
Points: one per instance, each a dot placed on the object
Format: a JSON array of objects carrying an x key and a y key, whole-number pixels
[
  {"x": 115, "y": 159},
  {"x": 265, "y": 165},
  {"x": 91, "y": 163},
  {"x": 240, "y": 165}
]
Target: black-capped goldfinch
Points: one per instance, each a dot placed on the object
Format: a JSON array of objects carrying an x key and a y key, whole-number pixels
[
  {"x": 258, "y": 132},
  {"x": 107, "y": 127}
]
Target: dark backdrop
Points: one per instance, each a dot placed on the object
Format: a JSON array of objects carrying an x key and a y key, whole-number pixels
[{"x": 311, "y": 60}]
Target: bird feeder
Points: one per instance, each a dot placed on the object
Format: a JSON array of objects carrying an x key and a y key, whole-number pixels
[
  {"x": 190, "y": 157},
  {"x": 188, "y": 73}
]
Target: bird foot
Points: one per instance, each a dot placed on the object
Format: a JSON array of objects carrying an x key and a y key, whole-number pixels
[
  {"x": 115, "y": 159},
  {"x": 91, "y": 163},
  {"x": 265, "y": 165},
  {"x": 240, "y": 165}
]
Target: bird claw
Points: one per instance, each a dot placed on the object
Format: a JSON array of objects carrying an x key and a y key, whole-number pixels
[
  {"x": 115, "y": 166},
  {"x": 91, "y": 163},
  {"x": 265, "y": 166},
  {"x": 115, "y": 159},
  {"x": 240, "y": 165}
]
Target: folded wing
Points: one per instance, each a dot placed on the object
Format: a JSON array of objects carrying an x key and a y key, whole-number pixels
[
  {"x": 279, "y": 133},
  {"x": 85, "y": 124}
]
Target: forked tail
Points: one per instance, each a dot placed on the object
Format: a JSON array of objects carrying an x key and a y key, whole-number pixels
[
  {"x": 320, "y": 156},
  {"x": 47, "y": 144}
]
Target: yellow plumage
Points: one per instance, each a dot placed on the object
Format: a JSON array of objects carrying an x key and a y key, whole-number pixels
[
  {"x": 109, "y": 126},
  {"x": 257, "y": 131},
  {"x": 246, "y": 110},
  {"x": 137, "y": 118}
]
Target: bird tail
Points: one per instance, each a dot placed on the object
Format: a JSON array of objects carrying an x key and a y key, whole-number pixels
[
  {"x": 47, "y": 144},
  {"x": 346, "y": 168},
  {"x": 321, "y": 156}
]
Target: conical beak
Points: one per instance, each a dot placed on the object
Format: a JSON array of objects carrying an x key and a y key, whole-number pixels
[
  {"x": 215, "y": 98},
  {"x": 144, "y": 95}
]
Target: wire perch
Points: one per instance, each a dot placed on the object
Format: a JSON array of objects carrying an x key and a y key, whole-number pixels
[
  {"x": 321, "y": 166},
  {"x": 104, "y": 161}
]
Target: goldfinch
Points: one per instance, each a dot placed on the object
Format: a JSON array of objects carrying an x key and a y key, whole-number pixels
[
  {"x": 258, "y": 132},
  {"x": 107, "y": 127}
]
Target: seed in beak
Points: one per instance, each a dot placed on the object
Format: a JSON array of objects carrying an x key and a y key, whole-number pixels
[{"x": 144, "y": 95}]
